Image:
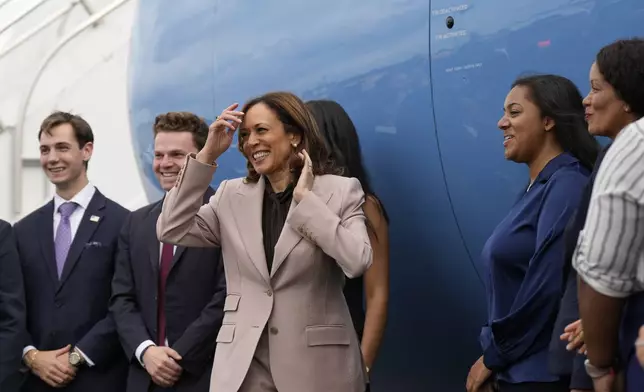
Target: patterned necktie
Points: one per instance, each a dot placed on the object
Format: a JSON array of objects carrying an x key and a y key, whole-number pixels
[{"x": 63, "y": 235}]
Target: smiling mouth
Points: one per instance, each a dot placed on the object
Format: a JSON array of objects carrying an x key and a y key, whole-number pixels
[
  {"x": 506, "y": 139},
  {"x": 57, "y": 169},
  {"x": 168, "y": 175},
  {"x": 259, "y": 155}
]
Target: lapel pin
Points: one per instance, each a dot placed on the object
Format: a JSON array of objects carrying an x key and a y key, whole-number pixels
[{"x": 94, "y": 218}]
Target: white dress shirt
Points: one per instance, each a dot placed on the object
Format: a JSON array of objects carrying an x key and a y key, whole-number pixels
[{"x": 83, "y": 199}]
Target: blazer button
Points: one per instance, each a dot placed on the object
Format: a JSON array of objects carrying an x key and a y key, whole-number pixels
[
  {"x": 269, "y": 293},
  {"x": 273, "y": 330}
]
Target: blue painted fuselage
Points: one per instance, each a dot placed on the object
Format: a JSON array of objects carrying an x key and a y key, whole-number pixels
[{"x": 425, "y": 99}]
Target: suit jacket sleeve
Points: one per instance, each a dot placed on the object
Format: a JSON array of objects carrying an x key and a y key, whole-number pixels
[
  {"x": 184, "y": 219},
  {"x": 197, "y": 344},
  {"x": 12, "y": 304},
  {"x": 343, "y": 237},
  {"x": 100, "y": 343},
  {"x": 123, "y": 305},
  {"x": 19, "y": 233}
]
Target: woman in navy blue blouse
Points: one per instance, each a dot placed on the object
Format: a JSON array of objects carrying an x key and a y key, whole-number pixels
[{"x": 543, "y": 127}]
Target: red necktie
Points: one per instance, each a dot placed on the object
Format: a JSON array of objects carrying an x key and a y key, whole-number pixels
[{"x": 166, "y": 261}]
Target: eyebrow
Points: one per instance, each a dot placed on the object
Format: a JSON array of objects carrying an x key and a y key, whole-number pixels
[
  {"x": 173, "y": 151},
  {"x": 259, "y": 124},
  {"x": 57, "y": 144}
]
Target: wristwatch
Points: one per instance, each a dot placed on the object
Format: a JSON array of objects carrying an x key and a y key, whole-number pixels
[
  {"x": 75, "y": 358},
  {"x": 595, "y": 372}
]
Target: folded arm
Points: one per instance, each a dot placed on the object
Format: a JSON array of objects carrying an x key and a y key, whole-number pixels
[
  {"x": 513, "y": 336},
  {"x": 184, "y": 219},
  {"x": 344, "y": 237}
]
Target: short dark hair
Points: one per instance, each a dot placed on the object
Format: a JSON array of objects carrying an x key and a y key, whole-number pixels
[
  {"x": 622, "y": 65},
  {"x": 82, "y": 130},
  {"x": 558, "y": 98},
  {"x": 297, "y": 119},
  {"x": 183, "y": 122}
]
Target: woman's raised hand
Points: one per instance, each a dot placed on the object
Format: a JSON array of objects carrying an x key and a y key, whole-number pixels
[
  {"x": 220, "y": 134},
  {"x": 305, "y": 183}
]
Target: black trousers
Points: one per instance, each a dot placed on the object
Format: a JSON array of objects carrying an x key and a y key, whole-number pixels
[{"x": 559, "y": 386}]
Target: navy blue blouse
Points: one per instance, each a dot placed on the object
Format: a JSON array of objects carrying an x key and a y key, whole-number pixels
[{"x": 524, "y": 270}]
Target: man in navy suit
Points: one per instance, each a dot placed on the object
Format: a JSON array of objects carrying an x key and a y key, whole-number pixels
[
  {"x": 168, "y": 301},
  {"x": 12, "y": 311},
  {"x": 67, "y": 250}
]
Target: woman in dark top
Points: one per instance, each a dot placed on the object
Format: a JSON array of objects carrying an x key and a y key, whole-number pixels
[
  {"x": 543, "y": 126},
  {"x": 616, "y": 99},
  {"x": 342, "y": 140}
]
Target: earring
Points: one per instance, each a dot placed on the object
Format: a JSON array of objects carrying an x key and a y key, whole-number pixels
[
  {"x": 627, "y": 109},
  {"x": 294, "y": 145}
]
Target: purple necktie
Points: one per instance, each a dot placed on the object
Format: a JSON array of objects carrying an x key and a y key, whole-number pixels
[{"x": 63, "y": 235}]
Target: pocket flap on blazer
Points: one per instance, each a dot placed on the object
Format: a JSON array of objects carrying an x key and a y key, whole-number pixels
[
  {"x": 326, "y": 335},
  {"x": 232, "y": 302},
  {"x": 226, "y": 333}
]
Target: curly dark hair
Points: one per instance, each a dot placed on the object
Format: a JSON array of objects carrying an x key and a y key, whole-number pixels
[
  {"x": 622, "y": 65},
  {"x": 297, "y": 119},
  {"x": 183, "y": 122}
]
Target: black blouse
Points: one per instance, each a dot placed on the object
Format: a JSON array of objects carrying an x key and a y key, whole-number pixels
[{"x": 274, "y": 211}]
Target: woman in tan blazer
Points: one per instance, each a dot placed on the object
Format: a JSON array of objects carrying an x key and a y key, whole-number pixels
[{"x": 289, "y": 232}]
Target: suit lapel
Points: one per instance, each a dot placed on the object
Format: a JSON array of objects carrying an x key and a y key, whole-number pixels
[
  {"x": 180, "y": 250},
  {"x": 154, "y": 246},
  {"x": 91, "y": 220},
  {"x": 247, "y": 213},
  {"x": 46, "y": 238},
  {"x": 289, "y": 237},
  {"x": 177, "y": 256}
]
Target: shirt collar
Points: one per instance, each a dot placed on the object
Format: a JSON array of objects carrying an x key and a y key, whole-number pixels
[
  {"x": 82, "y": 198},
  {"x": 561, "y": 160}
]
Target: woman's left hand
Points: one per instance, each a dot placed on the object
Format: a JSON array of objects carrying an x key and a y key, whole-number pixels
[
  {"x": 478, "y": 375},
  {"x": 305, "y": 183}
]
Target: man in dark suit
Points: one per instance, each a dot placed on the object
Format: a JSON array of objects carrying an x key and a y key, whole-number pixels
[
  {"x": 67, "y": 250},
  {"x": 168, "y": 301},
  {"x": 12, "y": 311}
]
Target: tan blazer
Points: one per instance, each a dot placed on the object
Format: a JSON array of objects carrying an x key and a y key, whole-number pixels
[{"x": 313, "y": 346}]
